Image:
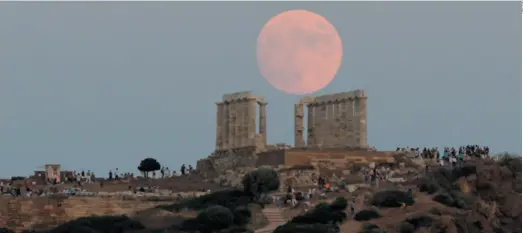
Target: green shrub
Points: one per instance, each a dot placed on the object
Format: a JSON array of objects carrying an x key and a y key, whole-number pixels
[
  {"x": 307, "y": 228},
  {"x": 260, "y": 181},
  {"x": 366, "y": 215},
  {"x": 392, "y": 198},
  {"x": 215, "y": 218}
]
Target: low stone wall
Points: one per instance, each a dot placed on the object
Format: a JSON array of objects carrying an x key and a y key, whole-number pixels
[
  {"x": 44, "y": 212},
  {"x": 226, "y": 160}
]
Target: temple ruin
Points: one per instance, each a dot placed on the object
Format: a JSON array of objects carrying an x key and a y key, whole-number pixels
[
  {"x": 333, "y": 121},
  {"x": 336, "y": 132},
  {"x": 236, "y": 123}
]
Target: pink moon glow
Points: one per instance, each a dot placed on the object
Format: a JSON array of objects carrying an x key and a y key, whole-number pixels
[{"x": 299, "y": 52}]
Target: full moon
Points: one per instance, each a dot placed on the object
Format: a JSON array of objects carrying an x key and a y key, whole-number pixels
[{"x": 299, "y": 52}]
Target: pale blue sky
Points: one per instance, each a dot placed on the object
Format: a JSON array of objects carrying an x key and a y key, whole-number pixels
[{"x": 103, "y": 85}]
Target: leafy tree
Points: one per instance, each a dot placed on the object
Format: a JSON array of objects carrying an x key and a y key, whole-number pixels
[
  {"x": 148, "y": 165},
  {"x": 261, "y": 181},
  {"x": 215, "y": 218}
]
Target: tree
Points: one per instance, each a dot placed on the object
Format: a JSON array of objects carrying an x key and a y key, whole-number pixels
[
  {"x": 261, "y": 181},
  {"x": 215, "y": 218},
  {"x": 148, "y": 165}
]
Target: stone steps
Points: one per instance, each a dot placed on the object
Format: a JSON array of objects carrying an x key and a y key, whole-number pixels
[{"x": 275, "y": 218}]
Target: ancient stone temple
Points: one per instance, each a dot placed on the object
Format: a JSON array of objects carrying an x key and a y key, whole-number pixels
[
  {"x": 236, "y": 122},
  {"x": 237, "y": 142},
  {"x": 335, "y": 132},
  {"x": 333, "y": 121}
]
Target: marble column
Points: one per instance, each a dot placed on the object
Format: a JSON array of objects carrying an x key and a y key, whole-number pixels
[
  {"x": 251, "y": 124},
  {"x": 363, "y": 122},
  {"x": 245, "y": 123},
  {"x": 328, "y": 132},
  {"x": 237, "y": 123},
  {"x": 349, "y": 121},
  {"x": 225, "y": 126},
  {"x": 219, "y": 125},
  {"x": 263, "y": 123},
  {"x": 311, "y": 141},
  {"x": 298, "y": 126},
  {"x": 231, "y": 124}
]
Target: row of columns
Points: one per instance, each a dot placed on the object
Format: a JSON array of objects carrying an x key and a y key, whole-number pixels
[
  {"x": 338, "y": 123},
  {"x": 236, "y": 123}
]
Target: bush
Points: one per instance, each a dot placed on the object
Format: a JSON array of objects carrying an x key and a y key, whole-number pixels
[
  {"x": 371, "y": 228},
  {"x": 307, "y": 228},
  {"x": 324, "y": 214},
  {"x": 242, "y": 216},
  {"x": 366, "y": 215},
  {"x": 428, "y": 185},
  {"x": 6, "y": 230},
  {"x": 99, "y": 224},
  {"x": 236, "y": 229},
  {"x": 420, "y": 221},
  {"x": 445, "y": 178},
  {"x": 323, "y": 218},
  {"x": 392, "y": 198},
  {"x": 214, "y": 218},
  {"x": 261, "y": 181},
  {"x": 455, "y": 199},
  {"x": 406, "y": 227},
  {"x": 339, "y": 204},
  {"x": 227, "y": 198}
]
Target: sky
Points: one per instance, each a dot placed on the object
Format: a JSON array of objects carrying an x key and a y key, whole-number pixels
[{"x": 101, "y": 85}]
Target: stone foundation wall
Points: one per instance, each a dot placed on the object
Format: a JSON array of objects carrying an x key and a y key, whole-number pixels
[
  {"x": 340, "y": 158},
  {"x": 343, "y": 157},
  {"x": 227, "y": 160},
  {"x": 272, "y": 158},
  {"x": 45, "y": 212}
]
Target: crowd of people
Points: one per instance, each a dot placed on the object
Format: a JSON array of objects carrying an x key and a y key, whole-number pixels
[{"x": 450, "y": 155}]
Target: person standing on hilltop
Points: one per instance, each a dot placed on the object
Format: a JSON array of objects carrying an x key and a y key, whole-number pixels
[
  {"x": 110, "y": 175},
  {"x": 182, "y": 169},
  {"x": 162, "y": 172}
]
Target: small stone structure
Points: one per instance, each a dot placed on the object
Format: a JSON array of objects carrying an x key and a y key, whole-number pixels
[
  {"x": 334, "y": 121},
  {"x": 52, "y": 171}
]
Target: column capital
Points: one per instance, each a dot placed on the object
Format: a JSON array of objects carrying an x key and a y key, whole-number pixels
[
  {"x": 220, "y": 103},
  {"x": 263, "y": 103}
]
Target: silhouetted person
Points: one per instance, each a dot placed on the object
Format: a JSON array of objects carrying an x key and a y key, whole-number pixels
[
  {"x": 110, "y": 175},
  {"x": 182, "y": 169}
]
